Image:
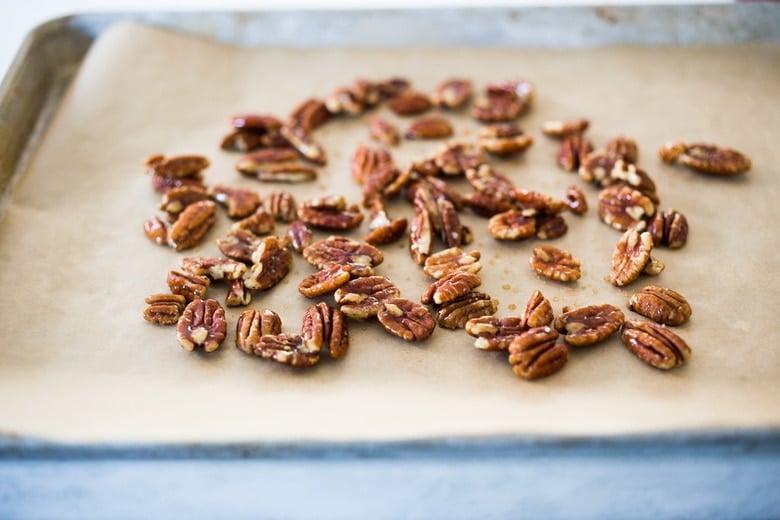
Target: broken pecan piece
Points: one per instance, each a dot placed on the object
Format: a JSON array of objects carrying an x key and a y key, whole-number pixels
[
  {"x": 555, "y": 264},
  {"x": 299, "y": 235},
  {"x": 202, "y": 324},
  {"x": 621, "y": 206},
  {"x": 538, "y": 311},
  {"x": 164, "y": 309},
  {"x": 514, "y": 224},
  {"x": 252, "y": 324},
  {"x": 382, "y": 229},
  {"x": 631, "y": 257},
  {"x": 324, "y": 281},
  {"x": 237, "y": 295},
  {"x": 272, "y": 262},
  {"x": 431, "y": 127},
  {"x": 409, "y": 103},
  {"x": 504, "y": 140},
  {"x": 240, "y": 202},
  {"x": 494, "y": 333},
  {"x": 452, "y": 93},
  {"x": 450, "y": 287},
  {"x": 156, "y": 230},
  {"x": 669, "y": 228},
  {"x": 362, "y": 298},
  {"x": 301, "y": 140},
  {"x": 214, "y": 268},
  {"x": 535, "y": 354},
  {"x": 455, "y": 313},
  {"x": 588, "y": 325},
  {"x": 191, "y": 286},
  {"x": 406, "y": 319},
  {"x": 444, "y": 262},
  {"x": 286, "y": 349},
  {"x": 563, "y": 129},
  {"x": 360, "y": 257},
  {"x": 660, "y": 304},
  {"x": 707, "y": 158},
  {"x": 193, "y": 223},
  {"x": 654, "y": 344},
  {"x": 383, "y": 131}
]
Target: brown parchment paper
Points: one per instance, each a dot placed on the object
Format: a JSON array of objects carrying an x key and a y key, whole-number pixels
[{"x": 78, "y": 363}]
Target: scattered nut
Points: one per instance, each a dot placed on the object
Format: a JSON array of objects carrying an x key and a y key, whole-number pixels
[
  {"x": 193, "y": 223},
  {"x": 444, "y": 262},
  {"x": 272, "y": 262},
  {"x": 707, "y": 158},
  {"x": 621, "y": 206},
  {"x": 555, "y": 264},
  {"x": 588, "y": 325},
  {"x": 669, "y": 228},
  {"x": 631, "y": 257},
  {"x": 624, "y": 148},
  {"x": 660, "y": 304},
  {"x": 261, "y": 222},
  {"x": 237, "y": 295},
  {"x": 383, "y": 131},
  {"x": 156, "y": 230},
  {"x": 455, "y": 313},
  {"x": 431, "y": 127},
  {"x": 535, "y": 354},
  {"x": 164, "y": 309},
  {"x": 504, "y": 140},
  {"x": 494, "y": 333},
  {"x": 452, "y": 93},
  {"x": 576, "y": 201},
  {"x": 656, "y": 345},
  {"x": 324, "y": 281},
  {"x": 362, "y": 298},
  {"x": 240, "y": 202},
  {"x": 239, "y": 244},
  {"x": 406, "y": 319},
  {"x": 214, "y": 268},
  {"x": 180, "y": 166},
  {"x": 549, "y": 227},
  {"x": 282, "y": 206},
  {"x": 191, "y": 286},
  {"x": 409, "y": 103},
  {"x": 420, "y": 236},
  {"x": 360, "y": 257},
  {"x": 450, "y": 287},
  {"x": 573, "y": 151},
  {"x": 514, "y": 224},
  {"x": 538, "y": 311},
  {"x": 252, "y": 324},
  {"x": 563, "y": 129},
  {"x": 299, "y": 235},
  {"x": 202, "y": 324},
  {"x": 175, "y": 200},
  {"x": 330, "y": 213},
  {"x": 286, "y": 349}
]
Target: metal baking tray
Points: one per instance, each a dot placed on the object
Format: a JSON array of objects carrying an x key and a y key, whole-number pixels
[{"x": 690, "y": 474}]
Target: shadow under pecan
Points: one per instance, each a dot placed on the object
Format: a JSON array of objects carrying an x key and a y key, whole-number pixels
[
  {"x": 655, "y": 345},
  {"x": 589, "y": 325},
  {"x": 202, "y": 324},
  {"x": 535, "y": 354}
]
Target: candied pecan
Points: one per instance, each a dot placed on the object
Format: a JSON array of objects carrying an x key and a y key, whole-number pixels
[
  {"x": 192, "y": 225},
  {"x": 512, "y": 225},
  {"x": 409, "y": 103},
  {"x": 282, "y": 206},
  {"x": 291, "y": 172},
  {"x": 535, "y": 354},
  {"x": 344, "y": 101},
  {"x": 391, "y": 87},
  {"x": 549, "y": 227},
  {"x": 669, "y": 228},
  {"x": 237, "y": 295},
  {"x": 707, "y": 158},
  {"x": 240, "y": 202},
  {"x": 627, "y": 173},
  {"x": 573, "y": 151},
  {"x": 313, "y": 329},
  {"x": 338, "y": 337},
  {"x": 494, "y": 333},
  {"x": 164, "y": 309},
  {"x": 156, "y": 230},
  {"x": 624, "y": 148},
  {"x": 455, "y": 313},
  {"x": 504, "y": 139},
  {"x": 654, "y": 344},
  {"x": 324, "y": 281},
  {"x": 523, "y": 89},
  {"x": 301, "y": 140},
  {"x": 654, "y": 267},
  {"x": 538, "y": 311},
  {"x": 180, "y": 166},
  {"x": 555, "y": 264},
  {"x": 488, "y": 180},
  {"x": 261, "y": 222},
  {"x": 382, "y": 229},
  {"x": 324, "y": 328},
  {"x": 424, "y": 200},
  {"x": 252, "y": 324},
  {"x": 214, "y": 268},
  {"x": 243, "y": 141},
  {"x": 272, "y": 262},
  {"x": 451, "y": 228},
  {"x": 457, "y": 158},
  {"x": 379, "y": 181},
  {"x": 406, "y": 319},
  {"x": 161, "y": 183},
  {"x": 563, "y": 129},
  {"x": 202, "y": 324},
  {"x": 452, "y": 93},
  {"x": 441, "y": 189},
  {"x": 366, "y": 161},
  {"x": 631, "y": 257},
  {"x": 444, "y": 262},
  {"x": 596, "y": 166},
  {"x": 191, "y": 286},
  {"x": 660, "y": 304},
  {"x": 383, "y": 130},
  {"x": 450, "y": 287},
  {"x": 330, "y": 213},
  {"x": 621, "y": 206},
  {"x": 497, "y": 106},
  {"x": 539, "y": 202},
  {"x": 487, "y": 203},
  {"x": 430, "y": 127},
  {"x": 239, "y": 244},
  {"x": 588, "y": 325},
  {"x": 260, "y": 123},
  {"x": 307, "y": 116},
  {"x": 299, "y": 235},
  {"x": 251, "y": 164},
  {"x": 362, "y": 298},
  {"x": 421, "y": 236},
  {"x": 360, "y": 257},
  {"x": 287, "y": 349},
  {"x": 575, "y": 200},
  {"x": 175, "y": 200}
]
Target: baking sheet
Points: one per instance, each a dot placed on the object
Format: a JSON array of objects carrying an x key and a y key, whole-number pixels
[{"x": 79, "y": 364}]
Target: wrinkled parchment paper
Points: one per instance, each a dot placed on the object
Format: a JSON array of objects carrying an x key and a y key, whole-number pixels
[{"x": 78, "y": 363}]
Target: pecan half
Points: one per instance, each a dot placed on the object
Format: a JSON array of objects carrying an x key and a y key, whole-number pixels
[
  {"x": 656, "y": 345},
  {"x": 353, "y": 100},
  {"x": 549, "y": 227},
  {"x": 452, "y": 93},
  {"x": 252, "y": 324},
  {"x": 661, "y": 304},
  {"x": 504, "y": 140},
  {"x": 175, "y": 200},
  {"x": 261, "y": 222},
  {"x": 494, "y": 333},
  {"x": 382, "y": 229},
  {"x": 282, "y": 206},
  {"x": 514, "y": 224},
  {"x": 291, "y": 173},
  {"x": 330, "y": 213},
  {"x": 575, "y": 200},
  {"x": 457, "y": 158},
  {"x": 161, "y": 183},
  {"x": 180, "y": 166},
  {"x": 588, "y": 325},
  {"x": 325, "y": 329},
  {"x": 237, "y": 294},
  {"x": 286, "y": 349},
  {"x": 573, "y": 151},
  {"x": 251, "y": 164},
  {"x": 240, "y": 202},
  {"x": 244, "y": 140},
  {"x": 596, "y": 166},
  {"x": 535, "y": 354},
  {"x": 310, "y": 114},
  {"x": 324, "y": 281},
  {"x": 202, "y": 324},
  {"x": 555, "y": 264},
  {"x": 406, "y": 319},
  {"x": 707, "y": 158},
  {"x": 621, "y": 206},
  {"x": 455, "y": 313},
  {"x": 193, "y": 223},
  {"x": 444, "y": 262},
  {"x": 488, "y": 204},
  {"x": 391, "y": 87},
  {"x": 539, "y": 202},
  {"x": 261, "y": 123},
  {"x": 562, "y": 129},
  {"x": 624, "y": 148},
  {"x": 191, "y": 286},
  {"x": 430, "y": 127},
  {"x": 409, "y": 103},
  {"x": 239, "y": 244},
  {"x": 502, "y": 101},
  {"x": 421, "y": 236},
  {"x": 301, "y": 140},
  {"x": 272, "y": 262},
  {"x": 164, "y": 309},
  {"x": 362, "y": 298},
  {"x": 215, "y": 268},
  {"x": 628, "y": 173},
  {"x": 156, "y": 230},
  {"x": 299, "y": 235},
  {"x": 631, "y": 257},
  {"x": 383, "y": 131},
  {"x": 669, "y": 228},
  {"x": 360, "y": 257},
  {"x": 538, "y": 311},
  {"x": 451, "y": 227},
  {"x": 450, "y": 287},
  {"x": 488, "y": 180}
]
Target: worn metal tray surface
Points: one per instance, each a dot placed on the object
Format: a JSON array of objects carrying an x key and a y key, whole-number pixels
[{"x": 690, "y": 474}]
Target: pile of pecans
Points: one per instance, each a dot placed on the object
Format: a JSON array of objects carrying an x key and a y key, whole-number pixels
[{"x": 256, "y": 258}]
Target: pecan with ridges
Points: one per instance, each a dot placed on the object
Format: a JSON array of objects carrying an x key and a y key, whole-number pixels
[
  {"x": 596, "y": 166},
  {"x": 628, "y": 173},
  {"x": 286, "y": 349},
  {"x": 549, "y": 227},
  {"x": 176, "y": 200},
  {"x": 488, "y": 203},
  {"x": 494, "y": 333},
  {"x": 323, "y": 321},
  {"x": 409, "y": 103},
  {"x": 575, "y": 200},
  {"x": 661, "y": 304},
  {"x": 621, "y": 206},
  {"x": 360, "y": 257},
  {"x": 454, "y": 314},
  {"x": 324, "y": 281},
  {"x": 239, "y": 244},
  {"x": 299, "y": 235},
  {"x": 450, "y": 287},
  {"x": 161, "y": 183},
  {"x": 307, "y": 116},
  {"x": 452, "y": 93},
  {"x": 383, "y": 131},
  {"x": 252, "y": 324},
  {"x": 180, "y": 166},
  {"x": 669, "y": 228},
  {"x": 504, "y": 140},
  {"x": 514, "y": 224},
  {"x": 541, "y": 203},
  {"x": 191, "y": 286},
  {"x": 156, "y": 230},
  {"x": 240, "y": 202},
  {"x": 261, "y": 123},
  {"x": 563, "y": 129},
  {"x": 451, "y": 228},
  {"x": 631, "y": 257},
  {"x": 535, "y": 353},
  {"x": 193, "y": 223},
  {"x": 453, "y": 259},
  {"x": 382, "y": 230},
  {"x": 202, "y": 324},
  {"x": 555, "y": 264},
  {"x": 272, "y": 262},
  {"x": 624, "y": 148},
  {"x": 573, "y": 151},
  {"x": 588, "y": 325},
  {"x": 164, "y": 309},
  {"x": 301, "y": 140},
  {"x": 456, "y": 158},
  {"x": 538, "y": 311},
  {"x": 362, "y": 298},
  {"x": 654, "y": 344},
  {"x": 244, "y": 140},
  {"x": 406, "y": 319},
  {"x": 707, "y": 158},
  {"x": 486, "y": 179},
  {"x": 237, "y": 295},
  {"x": 282, "y": 206},
  {"x": 215, "y": 268},
  {"x": 431, "y": 127},
  {"x": 420, "y": 236},
  {"x": 391, "y": 87},
  {"x": 261, "y": 222},
  {"x": 330, "y": 213}
]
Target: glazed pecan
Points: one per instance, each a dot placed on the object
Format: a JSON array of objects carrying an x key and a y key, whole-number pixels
[
  {"x": 282, "y": 206},
  {"x": 261, "y": 123},
  {"x": 360, "y": 257},
  {"x": 488, "y": 203},
  {"x": 514, "y": 224},
  {"x": 421, "y": 236},
  {"x": 430, "y": 127},
  {"x": 175, "y": 200},
  {"x": 631, "y": 257},
  {"x": 437, "y": 188},
  {"x": 409, "y": 103},
  {"x": 161, "y": 184},
  {"x": 535, "y": 354},
  {"x": 488, "y": 180},
  {"x": 549, "y": 227},
  {"x": 191, "y": 286},
  {"x": 524, "y": 90},
  {"x": 669, "y": 228},
  {"x": 406, "y": 319},
  {"x": 244, "y": 141},
  {"x": 202, "y": 324},
  {"x": 451, "y": 227},
  {"x": 324, "y": 281},
  {"x": 252, "y": 324},
  {"x": 353, "y": 100},
  {"x": 301, "y": 140},
  {"x": 450, "y": 287},
  {"x": 240, "y": 202},
  {"x": 588, "y": 325},
  {"x": 452, "y": 93},
  {"x": 502, "y": 101},
  {"x": 444, "y": 262},
  {"x": 494, "y": 333},
  {"x": 330, "y": 213},
  {"x": 193, "y": 223},
  {"x": 367, "y": 162},
  {"x": 180, "y": 166},
  {"x": 504, "y": 139},
  {"x": 164, "y": 309},
  {"x": 237, "y": 295},
  {"x": 621, "y": 206},
  {"x": 338, "y": 337},
  {"x": 456, "y": 158},
  {"x": 539, "y": 202},
  {"x": 239, "y": 244},
  {"x": 654, "y": 344},
  {"x": 555, "y": 264},
  {"x": 261, "y": 222},
  {"x": 288, "y": 172},
  {"x": 286, "y": 349},
  {"x": 251, "y": 164},
  {"x": 313, "y": 331},
  {"x": 325, "y": 329},
  {"x": 455, "y": 313},
  {"x": 382, "y": 230},
  {"x": 573, "y": 151},
  {"x": 563, "y": 129},
  {"x": 538, "y": 311},
  {"x": 215, "y": 268},
  {"x": 310, "y": 114},
  {"x": 575, "y": 200},
  {"x": 272, "y": 262},
  {"x": 627, "y": 173},
  {"x": 299, "y": 235},
  {"x": 362, "y": 298},
  {"x": 156, "y": 230},
  {"x": 660, "y": 304},
  {"x": 383, "y": 131},
  {"x": 624, "y": 148},
  {"x": 707, "y": 158},
  {"x": 596, "y": 166},
  {"x": 391, "y": 87}
]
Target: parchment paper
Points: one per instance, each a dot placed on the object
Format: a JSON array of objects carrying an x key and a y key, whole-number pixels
[{"x": 78, "y": 362}]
